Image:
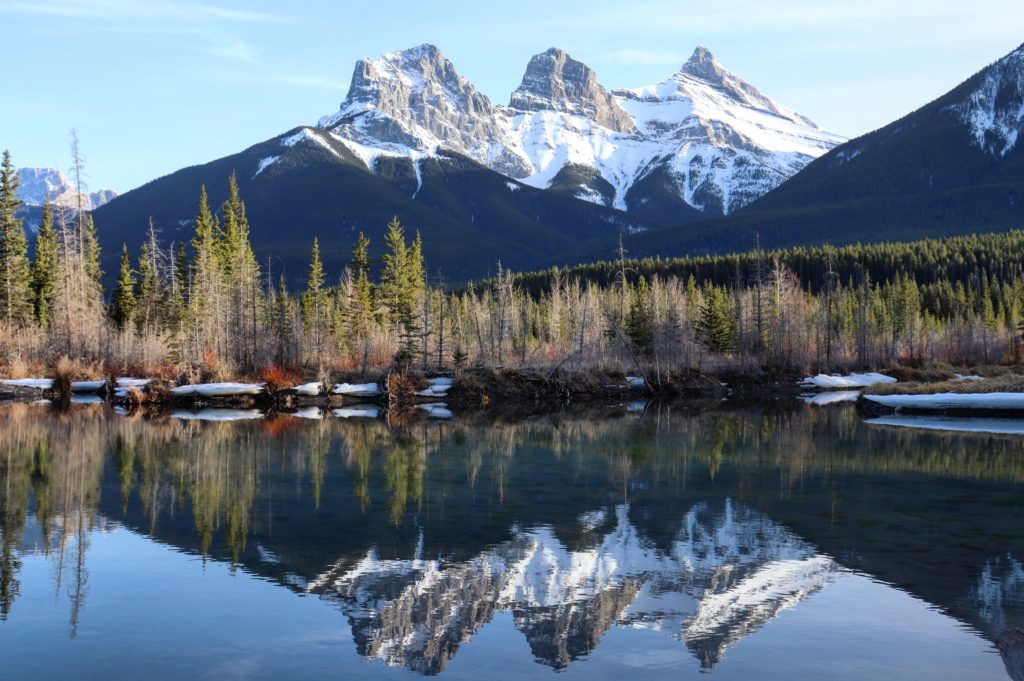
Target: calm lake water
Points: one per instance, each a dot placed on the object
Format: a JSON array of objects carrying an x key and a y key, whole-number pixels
[{"x": 666, "y": 541}]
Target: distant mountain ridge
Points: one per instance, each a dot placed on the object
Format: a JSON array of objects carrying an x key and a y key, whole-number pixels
[{"x": 38, "y": 183}]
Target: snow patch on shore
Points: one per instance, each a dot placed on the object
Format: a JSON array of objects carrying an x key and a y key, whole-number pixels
[
  {"x": 357, "y": 389},
  {"x": 837, "y": 382},
  {"x": 219, "y": 389},
  {"x": 308, "y": 389}
]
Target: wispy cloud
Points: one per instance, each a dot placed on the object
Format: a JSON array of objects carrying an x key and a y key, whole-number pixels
[
  {"x": 124, "y": 11},
  {"x": 189, "y": 25}
]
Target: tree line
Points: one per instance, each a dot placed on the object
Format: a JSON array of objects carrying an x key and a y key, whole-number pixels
[{"x": 208, "y": 309}]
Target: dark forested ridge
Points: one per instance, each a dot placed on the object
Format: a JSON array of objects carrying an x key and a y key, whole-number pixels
[
  {"x": 958, "y": 259},
  {"x": 305, "y": 184}
]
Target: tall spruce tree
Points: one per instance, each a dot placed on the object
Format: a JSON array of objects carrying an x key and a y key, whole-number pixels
[
  {"x": 151, "y": 296},
  {"x": 360, "y": 312},
  {"x": 639, "y": 320},
  {"x": 314, "y": 300},
  {"x": 15, "y": 279},
  {"x": 44, "y": 268},
  {"x": 122, "y": 303},
  {"x": 717, "y": 322}
]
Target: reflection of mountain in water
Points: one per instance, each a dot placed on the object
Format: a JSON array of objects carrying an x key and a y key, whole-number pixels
[
  {"x": 1000, "y": 584},
  {"x": 727, "y": 572}
]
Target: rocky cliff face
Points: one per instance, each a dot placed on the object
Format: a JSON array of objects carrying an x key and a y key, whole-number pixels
[
  {"x": 554, "y": 81},
  {"x": 704, "y": 136},
  {"x": 413, "y": 102}
]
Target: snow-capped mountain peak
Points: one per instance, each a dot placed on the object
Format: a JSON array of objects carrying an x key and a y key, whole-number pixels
[
  {"x": 703, "y": 67},
  {"x": 704, "y": 135}
]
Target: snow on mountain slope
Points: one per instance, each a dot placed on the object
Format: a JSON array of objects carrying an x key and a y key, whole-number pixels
[
  {"x": 38, "y": 183},
  {"x": 995, "y": 109},
  {"x": 718, "y": 140}
]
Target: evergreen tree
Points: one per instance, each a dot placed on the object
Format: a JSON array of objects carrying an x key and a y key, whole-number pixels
[
  {"x": 91, "y": 250},
  {"x": 151, "y": 296},
  {"x": 717, "y": 322},
  {"x": 44, "y": 268},
  {"x": 312, "y": 298},
  {"x": 205, "y": 229},
  {"x": 398, "y": 286},
  {"x": 122, "y": 304},
  {"x": 361, "y": 298},
  {"x": 15, "y": 275},
  {"x": 639, "y": 321}
]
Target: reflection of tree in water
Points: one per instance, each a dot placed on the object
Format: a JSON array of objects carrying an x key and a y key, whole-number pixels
[
  {"x": 52, "y": 467},
  {"x": 60, "y": 467}
]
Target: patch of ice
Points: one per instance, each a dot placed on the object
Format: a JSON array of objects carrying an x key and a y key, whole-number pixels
[
  {"x": 512, "y": 186},
  {"x": 357, "y": 389},
  {"x": 1009, "y": 401},
  {"x": 636, "y": 382},
  {"x": 972, "y": 377},
  {"x": 219, "y": 389},
  {"x": 438, "y": 388},
  {"x": 837, "y": 382},
  {"x": 962, "y": 425},
  {"x": 132, "y": 382},
  {"x": 419, "y": 176},
  {"x": 38, "y": 383}
]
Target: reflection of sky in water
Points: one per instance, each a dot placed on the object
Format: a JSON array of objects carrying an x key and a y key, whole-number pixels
[{"x": 746, "y": 544}]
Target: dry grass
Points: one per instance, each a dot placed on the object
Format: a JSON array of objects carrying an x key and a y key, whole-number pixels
[{"x": 1007, "y": 382}]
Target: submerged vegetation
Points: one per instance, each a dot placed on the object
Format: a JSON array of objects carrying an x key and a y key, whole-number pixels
[{"x": 208, "y": 309}]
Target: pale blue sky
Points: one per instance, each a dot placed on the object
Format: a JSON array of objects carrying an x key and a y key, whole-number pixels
[{"x": 157, "y": 85}]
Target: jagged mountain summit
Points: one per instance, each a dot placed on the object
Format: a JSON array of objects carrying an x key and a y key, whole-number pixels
[
  {"x": 953, "y": 166},
  {"x": 703, "y": 142},
  {"x": 38, "y": 183}
]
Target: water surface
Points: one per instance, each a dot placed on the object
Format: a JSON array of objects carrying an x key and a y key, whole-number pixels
[{"x": 757, "y": 541}]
